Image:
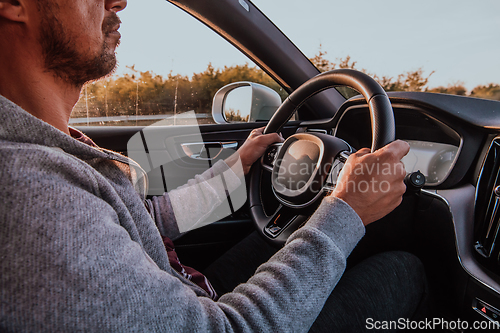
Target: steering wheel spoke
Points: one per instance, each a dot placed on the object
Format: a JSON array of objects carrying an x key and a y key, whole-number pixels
[
  {"x": 281, "y": 224},
  {"x": 337, "y": 166}
]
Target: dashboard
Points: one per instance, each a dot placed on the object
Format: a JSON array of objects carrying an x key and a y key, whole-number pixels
[
  {"x": 454, "y": 223},
  {"x": 434, "y": 146}
]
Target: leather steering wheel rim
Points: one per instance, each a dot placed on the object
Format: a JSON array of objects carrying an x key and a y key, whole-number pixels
[
  {"x": 382, "y": 124},
  {"x": 381, "y": 113}
]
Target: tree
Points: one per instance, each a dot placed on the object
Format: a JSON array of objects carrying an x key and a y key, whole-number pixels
[
  {"x": 146, "y": 93},
  {"x": 233, "y": 116},
  {"x": 321, "y": 63},
  {"x": 409, "y": 81},
  {"x": 457, "y": 88},
  {"x": 490, "y": 91}
]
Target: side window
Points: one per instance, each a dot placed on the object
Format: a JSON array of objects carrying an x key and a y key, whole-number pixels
[{"x": 169, "y": 64}]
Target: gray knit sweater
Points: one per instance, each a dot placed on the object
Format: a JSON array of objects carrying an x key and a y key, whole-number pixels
[{"x": 80, "y": 252}]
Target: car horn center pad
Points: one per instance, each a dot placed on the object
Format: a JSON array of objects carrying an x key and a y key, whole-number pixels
[{"x": 302, "y": 167}]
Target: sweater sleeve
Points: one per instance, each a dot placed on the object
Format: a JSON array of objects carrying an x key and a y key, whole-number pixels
[
  {"x": 72, "y": 260},
  {"x": 288, "y": 291},
  {"x": 195, "y": 204}
]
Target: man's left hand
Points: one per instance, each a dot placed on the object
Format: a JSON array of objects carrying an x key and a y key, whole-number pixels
[{"x": 255, "y": 146}]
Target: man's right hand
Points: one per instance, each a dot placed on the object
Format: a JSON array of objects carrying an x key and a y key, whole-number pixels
[{"x": 372, "y": 183}]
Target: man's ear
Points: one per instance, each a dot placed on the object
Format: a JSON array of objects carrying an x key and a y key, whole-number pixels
[{"x": 13, "y": 10}]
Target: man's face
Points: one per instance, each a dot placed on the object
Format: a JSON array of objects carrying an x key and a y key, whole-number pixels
[{"x": 78, "y": 39}]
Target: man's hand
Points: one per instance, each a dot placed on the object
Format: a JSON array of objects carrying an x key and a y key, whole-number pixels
[
  {"x": 372, "y": 183},
  {"x": 253, "y": 148}
]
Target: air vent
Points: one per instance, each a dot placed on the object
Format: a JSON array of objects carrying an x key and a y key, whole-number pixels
[{"x": 487, "y": 209}]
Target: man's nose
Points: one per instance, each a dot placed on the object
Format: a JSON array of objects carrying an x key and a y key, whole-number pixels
[{"x": 116, "y": 5}]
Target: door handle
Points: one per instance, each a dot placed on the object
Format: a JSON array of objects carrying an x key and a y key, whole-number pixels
[{"x": 207, "y": 151}]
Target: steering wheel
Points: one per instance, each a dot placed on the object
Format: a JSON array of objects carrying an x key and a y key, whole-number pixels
[{"x": 305, "y": 167}]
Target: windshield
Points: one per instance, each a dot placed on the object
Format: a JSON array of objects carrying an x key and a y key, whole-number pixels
[{"x": 441, "y": 46}]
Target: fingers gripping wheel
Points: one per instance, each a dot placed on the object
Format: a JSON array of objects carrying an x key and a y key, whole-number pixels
[{"x": 302, "y": 166}]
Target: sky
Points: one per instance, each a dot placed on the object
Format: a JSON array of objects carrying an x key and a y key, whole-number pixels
[{"x": 457, "y": 40}]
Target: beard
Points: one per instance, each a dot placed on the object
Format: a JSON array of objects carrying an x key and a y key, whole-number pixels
[{"x": 65, "y": 61}]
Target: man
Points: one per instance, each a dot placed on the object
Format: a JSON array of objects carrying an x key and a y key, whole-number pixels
[{"x": 80, "y": 251}]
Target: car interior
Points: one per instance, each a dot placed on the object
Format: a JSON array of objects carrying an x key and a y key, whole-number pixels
[{"x": 451, "y": 224}]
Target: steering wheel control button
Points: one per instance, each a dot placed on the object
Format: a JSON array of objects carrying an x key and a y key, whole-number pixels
[
  {"x": 269, "y": 157},
  {"x": 274, "y": 230},
  {"x": 278, "y": 223},
  {"x": 343, "y": 156},
  {"x": 331, "y": 182}
]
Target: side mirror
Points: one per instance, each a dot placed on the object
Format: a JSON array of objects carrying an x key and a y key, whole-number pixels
[{"x": 244, "y": 102}]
